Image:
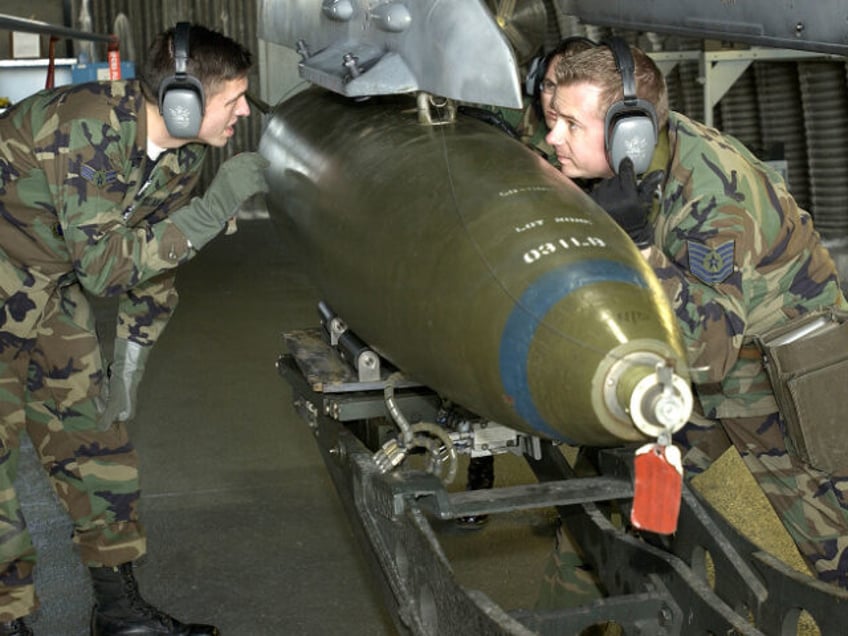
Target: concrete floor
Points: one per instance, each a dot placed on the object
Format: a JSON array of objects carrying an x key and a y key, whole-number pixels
[{"x": 245, "y": 529}]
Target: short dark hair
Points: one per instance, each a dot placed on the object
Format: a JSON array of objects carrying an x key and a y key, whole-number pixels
[{"x": 213, "y": 58}]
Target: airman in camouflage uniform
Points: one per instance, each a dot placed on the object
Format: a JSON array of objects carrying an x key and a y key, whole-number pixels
[
  {"x": 95, "y": 196},
  {"x": 735, "y": 256}
]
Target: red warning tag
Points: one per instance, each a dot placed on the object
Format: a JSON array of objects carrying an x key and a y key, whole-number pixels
[{"x": 657, "y": 486}]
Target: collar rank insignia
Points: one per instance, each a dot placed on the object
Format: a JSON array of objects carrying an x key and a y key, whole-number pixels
[
  {"x": 98, "y": 178},
  {"x": 711, "y": 265}
]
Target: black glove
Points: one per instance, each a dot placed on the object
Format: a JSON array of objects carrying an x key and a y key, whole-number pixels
[{"x": 628, "y": 202}]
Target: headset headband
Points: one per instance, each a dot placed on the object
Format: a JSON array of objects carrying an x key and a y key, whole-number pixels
[
  {"x": 181, "y": 35},
  {"x": 625, "y": 65}
]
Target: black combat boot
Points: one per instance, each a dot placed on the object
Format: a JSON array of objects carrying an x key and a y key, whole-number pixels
[
  {"x": 16, "y": 627},
  {"x": 481, "y": 474},
  {"x": 119, "y": 609}
]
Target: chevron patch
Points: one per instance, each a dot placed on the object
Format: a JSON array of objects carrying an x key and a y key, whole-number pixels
[
  {"x": 98, "y": 178},
  {"x": 711, "y": 264}
]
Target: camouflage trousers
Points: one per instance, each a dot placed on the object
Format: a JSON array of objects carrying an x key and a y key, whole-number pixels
[
  {"x": 567, "y": 581},
  {"x": 49, "y": 388},
  {"x": 811, "y": 504}
]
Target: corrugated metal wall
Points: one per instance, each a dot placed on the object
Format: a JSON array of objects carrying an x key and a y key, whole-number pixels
[{"x": 146, "y": 18}]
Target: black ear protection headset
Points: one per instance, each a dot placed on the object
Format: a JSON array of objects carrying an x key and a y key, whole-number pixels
[
  {"x": 630, "y": 125},
  {"x": 181, "y": 99}
]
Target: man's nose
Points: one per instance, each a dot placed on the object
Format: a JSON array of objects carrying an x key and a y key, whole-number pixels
[
  {"x": 244, "y": 107},
  {"x": 556, "y": 136}
]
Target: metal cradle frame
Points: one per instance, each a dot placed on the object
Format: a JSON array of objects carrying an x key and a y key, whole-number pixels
[{"x": 655, "y": 585}]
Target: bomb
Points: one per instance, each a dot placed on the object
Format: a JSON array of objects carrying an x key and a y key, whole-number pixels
[{"x": 475, "y": 267}]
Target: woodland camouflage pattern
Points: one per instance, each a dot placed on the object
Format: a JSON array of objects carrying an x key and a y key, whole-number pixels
[
  {"x": 77, "y": 216},
  {"x": 736, "y": 257}
]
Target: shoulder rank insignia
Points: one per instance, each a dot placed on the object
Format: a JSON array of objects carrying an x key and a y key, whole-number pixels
[
  {"x": 711, "y": 264},
  {"x": 98, "y": 178}
]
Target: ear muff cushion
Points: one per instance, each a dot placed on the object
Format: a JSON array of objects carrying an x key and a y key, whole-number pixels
[
  {"x": 630, "y": 123},
  {"x": 181, "y": 100},
  {"x": 631, "y": 131},
  {"x": 181, "y": 105}
]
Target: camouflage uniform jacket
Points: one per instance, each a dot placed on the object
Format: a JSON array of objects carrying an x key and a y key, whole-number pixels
[
  {"x": 76, "y": 207},
  {"x": 737, "y": 256}
]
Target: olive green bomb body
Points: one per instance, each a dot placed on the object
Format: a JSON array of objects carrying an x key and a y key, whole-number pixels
[{"x": 471, "y": 264}]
